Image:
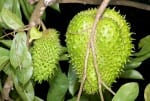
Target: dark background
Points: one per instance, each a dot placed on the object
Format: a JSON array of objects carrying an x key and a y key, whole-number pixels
[{"x": 140, "y": 25}]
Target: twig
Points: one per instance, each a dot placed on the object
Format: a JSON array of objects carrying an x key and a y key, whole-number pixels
[
  {"x": 128, "y": 3},
  {"x": 37, "y": 13},
  {"x": 7, "y": 34},
  {"x": 92, "y": 41},
  {"x": 93, "y": 35},
  {"x": 7, "y": 88},
  {"x": 91, "y": 45},
  {"x": 84, "y": 72}
]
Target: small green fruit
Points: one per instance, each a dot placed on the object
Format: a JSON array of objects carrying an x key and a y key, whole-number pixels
[
  {"x": 112, "y": 45},
  {"x": 45, "y": 55}
]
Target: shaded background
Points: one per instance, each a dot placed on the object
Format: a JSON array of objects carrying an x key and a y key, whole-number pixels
[{"x": 140, "y": 25}]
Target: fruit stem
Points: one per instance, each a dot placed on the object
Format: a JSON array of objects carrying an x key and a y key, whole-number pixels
[
  {"x": 100, "y": 11},
  {"x": 90, "y": 44}
]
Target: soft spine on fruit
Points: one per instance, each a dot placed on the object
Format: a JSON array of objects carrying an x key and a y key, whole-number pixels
[
  {"x": 113, "y": 46},
  {"x": 45, "y": 55}
]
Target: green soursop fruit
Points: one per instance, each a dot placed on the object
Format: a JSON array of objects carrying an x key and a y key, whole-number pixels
[
  {"x": 45, "y": 55},
  {"x": 113, "y": 46}
]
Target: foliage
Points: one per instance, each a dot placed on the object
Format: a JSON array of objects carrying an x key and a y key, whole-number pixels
[{"x": 16, "y": 63}]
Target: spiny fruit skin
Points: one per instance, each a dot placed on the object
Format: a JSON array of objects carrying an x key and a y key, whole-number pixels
[
  {"x": 113, "y": 46},
  {"x": 45, "y": 55}
]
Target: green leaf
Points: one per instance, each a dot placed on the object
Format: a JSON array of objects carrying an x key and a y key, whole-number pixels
[
  {"x": 82, "y": 98},
  {"x": 7, "y": 43},
  {"x": 144, "y": 41},
  {"x": 16, "y": 8},
  {"x": 55, "y": 7},
  {"x": 12, "y": 5},
  {"x": 6, "y": 4},
  {"x": 133, "y": 64},
  {"x": 58, "y": 88},
  {"x": 4, "y": 52},
  {"x": 142, "y": 58},
  {"x": 4, "y": 60},
  {"x": 10, "y": 19},
  {"x": 131, "y": 74},
  {"x": 21, "y": 57},
  {"x": 24, "y": 74},
  {"x": 26, "y": 8},
  {"x": 2, "y": 23},
  {"x": 1, "y": 31},
  {"x": 34, "y": 34},
  {"x": 147, "y": 93},
  {"x": 127, "y": 92},
  {"x": 144, "y": 45},
  {"x": 0, "y": 85},
  {"x": 107, "y": 95},
  {"x": 26, "y": 92},
  {"x": 37, "y": 99},
  {"x": 4, "y": 57},
  {"x": 29, "y": 91},
  {"x": 1, "y": 4},
  {"x": 94, "y": 97},
  {"x": 18, "y": 49},
  {"x": 73, "y": 81},
  {"x": 7, "y": 69}
]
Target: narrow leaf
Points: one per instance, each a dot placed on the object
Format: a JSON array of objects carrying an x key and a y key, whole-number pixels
[
  {"x": 8, "y": 4},
  {"x": 21, "y": 57},
  {"x": 133, "y": 64},
  {"x": 24, "y": 74},
  {"x": 142, "y": 58},
  {"x": 131, "y": 74},
  {"x": 37, "y": 99},
  {"x": 17, "y": 49},
  {"x": 4, "y": 60},
  {"x": 19, "y": 89},
  {"x": 82, "y": 98},
  {"x": 1, "y": 4},
  {"x": 7, "y": 43},
  {"x": 144, "y": 45},
  {"x": 0, "y": 85},
  {"x": 26, "y": 8},
  {"x": 73, "y": 81},
  {"x": 4, "y": 52},
  {"x": 16, "y": 8},
  {"x": 147, "y": 93},
  {"x": 29, "y": 91},
  {"x": 58, "y": 88},
  {"x": 7, "y": 69},
  {"x": 26, "y": 92},
  {"x": 127, "y": 92},
  {"x": 4, "y": 57},
  {"x": 10, "y": 19},
  {"x": 144, "y": 41},
  {"x": 55, "y": 7}
]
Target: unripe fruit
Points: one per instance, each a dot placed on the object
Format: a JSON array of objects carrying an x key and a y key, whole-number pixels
[
  {"x": 45, "y": 55},
  {"x": 112, "y": 45}
]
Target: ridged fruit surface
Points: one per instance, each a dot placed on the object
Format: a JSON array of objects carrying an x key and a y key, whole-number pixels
[
  {"x": 45, "y": 55},
  {"x": 112, "y": 45}
]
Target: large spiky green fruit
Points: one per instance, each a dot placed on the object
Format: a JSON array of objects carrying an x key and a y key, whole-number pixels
[
  {"x": 45, "y": 55},
  {"x": 112, "y": 46}
]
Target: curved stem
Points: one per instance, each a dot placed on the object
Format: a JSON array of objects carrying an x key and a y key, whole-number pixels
[{"x": 128, "y": 3}]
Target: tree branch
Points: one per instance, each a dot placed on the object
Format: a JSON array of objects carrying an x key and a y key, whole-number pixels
[
  {"x": 7, "y": 88},
  {"x": 128, "y": 3}
]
